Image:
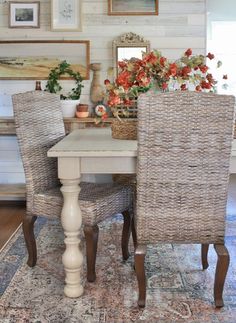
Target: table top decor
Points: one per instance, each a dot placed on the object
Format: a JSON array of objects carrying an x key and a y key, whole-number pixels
[
  {"x": 71, "y": 99},
  {"x": 64, "y": 70},
  {"x": 158, "y": 73}
]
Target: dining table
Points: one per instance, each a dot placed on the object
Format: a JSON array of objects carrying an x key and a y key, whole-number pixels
[{"x": 89, "y": 151}]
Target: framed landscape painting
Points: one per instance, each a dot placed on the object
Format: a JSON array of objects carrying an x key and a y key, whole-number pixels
[
  {"x": 132, "y": 7},
  {"x": 33, "y": 59},
  {"x": 66, "y": 15},
  {"x": 24, "y": 14}
]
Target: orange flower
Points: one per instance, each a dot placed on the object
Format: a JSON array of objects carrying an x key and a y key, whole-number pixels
[
  {"x": 188, "y": 52},
  {"x": 106, "y": 82},
  {"x": 173, "y": 69},
  {"x": 164, "y": 86},
  {"x": 127, "y": 102},
  {"x": 142, "y": 78},
  {"x": 198, "y": 88},
  {"x": 151, "y": 58},
  {"x": 210, "y": 56},
  {"x": 210, "y": 79},
  {"x": 203, "y": 68},
  {"x": 113, "y": 100},
  {"x": 162, "y": 61},
  {"x": 205, "y": 85},
  {"x": 139, "y": 75},
  {"x": 104, "y": 116},
  {"x": 185, "y": 71},
  {"x": 122, "y": 64},
  {"x": 123, "y": 79}
]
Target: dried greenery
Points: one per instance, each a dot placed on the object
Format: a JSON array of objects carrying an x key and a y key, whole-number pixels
[{"x": 53, "y": 85}]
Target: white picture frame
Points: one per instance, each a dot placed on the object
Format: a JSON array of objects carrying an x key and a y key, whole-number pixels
[
  {"x": 66, "y": 15},
  {"x": 24, "y": 14}
]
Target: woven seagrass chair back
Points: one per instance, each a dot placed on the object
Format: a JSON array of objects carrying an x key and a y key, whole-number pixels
[
  {"x": 39, "y": 125},
  {"x": 184, "y": 147}
]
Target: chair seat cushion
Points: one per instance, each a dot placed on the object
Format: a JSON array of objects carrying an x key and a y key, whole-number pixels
[{"x": 97, "y": 201}]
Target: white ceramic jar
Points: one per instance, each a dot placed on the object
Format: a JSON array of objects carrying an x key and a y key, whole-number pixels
[{"x": 69, "y": 107}]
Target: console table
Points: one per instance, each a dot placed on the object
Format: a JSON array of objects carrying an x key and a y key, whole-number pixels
[{"x": 7, "y": 124}]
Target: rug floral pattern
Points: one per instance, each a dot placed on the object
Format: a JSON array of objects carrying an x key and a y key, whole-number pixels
[{"x": 178, "y": 289}]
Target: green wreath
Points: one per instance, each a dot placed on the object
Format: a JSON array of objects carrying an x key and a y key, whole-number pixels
[{"x": 53, "y": 86}]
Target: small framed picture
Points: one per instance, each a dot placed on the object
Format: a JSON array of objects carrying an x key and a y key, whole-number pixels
[
  {"x": 132, "y": 7},
  {"x": 24, "y": 14},
  {"x": 66, "y": 15}
]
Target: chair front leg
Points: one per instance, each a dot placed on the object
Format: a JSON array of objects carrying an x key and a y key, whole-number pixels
[
  {"x": 28, "y": 230},
  {"x": 220, "y": 274},
  {"x": 204, "y": 251},
  {"x": 134, "y": 235},
  {"x": 126, "y": 234},
  {"x": 91, "y": 238},
  {"x": 139, "y": 259}
]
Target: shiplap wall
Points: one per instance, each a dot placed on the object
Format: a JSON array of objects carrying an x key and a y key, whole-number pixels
[{"x": 179, "y": 25}]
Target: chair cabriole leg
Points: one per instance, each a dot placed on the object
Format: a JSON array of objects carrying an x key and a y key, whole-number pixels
[
  {"x": 220, "y": 274},
  {"x": 28, "y": 230},
  {"x": 91, "y": 238},
  {"x": 204, "y": 252},
  {"x": 126, "y": 234},
  {"x": 139, "y": 258}
]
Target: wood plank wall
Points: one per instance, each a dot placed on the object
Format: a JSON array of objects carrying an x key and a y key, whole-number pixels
[{"x": 179, "y": 25}]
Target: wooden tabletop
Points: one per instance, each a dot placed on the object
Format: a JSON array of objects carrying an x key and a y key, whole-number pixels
[{"x": 93, "y": 142}]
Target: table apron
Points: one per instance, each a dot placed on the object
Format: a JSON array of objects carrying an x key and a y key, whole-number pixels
[
  {"x": 108, "y": 165},
  {"x": 73, "y": 167}
]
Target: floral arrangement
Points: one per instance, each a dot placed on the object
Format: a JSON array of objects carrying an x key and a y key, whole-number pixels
[{"x": 155, "y": 71}]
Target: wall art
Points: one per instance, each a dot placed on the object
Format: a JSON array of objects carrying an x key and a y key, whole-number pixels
[{"x": 33, "y": 59}]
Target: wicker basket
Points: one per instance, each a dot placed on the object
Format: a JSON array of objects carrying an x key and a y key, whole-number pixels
[
  {"x": 124, "y": 112},
  {"x": 124, "y": 129}
]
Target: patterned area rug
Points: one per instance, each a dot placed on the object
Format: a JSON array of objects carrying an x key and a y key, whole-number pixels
[{"x": 178, "y": 290}]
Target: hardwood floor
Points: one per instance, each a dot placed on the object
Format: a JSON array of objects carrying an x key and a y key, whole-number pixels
[{"x": 11, "y": 215}]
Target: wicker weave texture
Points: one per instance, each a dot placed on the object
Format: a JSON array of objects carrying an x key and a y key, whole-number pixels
[
  {"x": 39, "y": 125},
  {"x": 97, "y": 201},
  {"x": 184, "y": 147},
  {"x": 125, "y": 129}
]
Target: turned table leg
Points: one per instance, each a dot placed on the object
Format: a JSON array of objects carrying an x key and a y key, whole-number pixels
[{"x": 71, "y": 220}]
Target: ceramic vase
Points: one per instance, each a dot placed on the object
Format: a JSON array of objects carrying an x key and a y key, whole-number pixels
[{"x": 69, "y": 107}]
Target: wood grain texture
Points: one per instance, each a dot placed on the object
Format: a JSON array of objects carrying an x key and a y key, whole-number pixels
[
  {"x": 10, "y": 219},
  {"x": 9, "y": 190},
  {"x": 7, "y": 124}
]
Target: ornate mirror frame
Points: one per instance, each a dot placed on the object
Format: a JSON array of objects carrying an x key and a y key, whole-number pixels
[{"x": 127, "y": 40}]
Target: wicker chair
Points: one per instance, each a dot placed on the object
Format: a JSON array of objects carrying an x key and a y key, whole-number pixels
[
  {"x": 39, "y": 125},
  {"x": 184, "y": 147}
]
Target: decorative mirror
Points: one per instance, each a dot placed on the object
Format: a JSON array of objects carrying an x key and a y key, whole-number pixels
[{"x": 128, "y": 46}]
